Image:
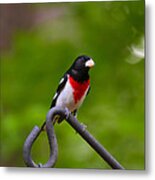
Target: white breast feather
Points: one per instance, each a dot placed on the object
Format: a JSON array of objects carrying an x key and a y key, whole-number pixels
[{"x": 66, "y": 99}]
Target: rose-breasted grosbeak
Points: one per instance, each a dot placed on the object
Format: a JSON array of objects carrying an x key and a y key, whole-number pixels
[{"x": 74, "y": 86}]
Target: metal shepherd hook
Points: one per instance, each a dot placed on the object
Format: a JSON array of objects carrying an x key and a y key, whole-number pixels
[{"x": 79, "y": 128}]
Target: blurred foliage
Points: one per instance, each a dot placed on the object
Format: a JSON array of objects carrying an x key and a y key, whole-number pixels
[{"x": 114, "y": 109}]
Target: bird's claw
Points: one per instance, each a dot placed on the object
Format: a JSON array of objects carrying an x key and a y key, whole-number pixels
[{"x": 67, "y": 113}]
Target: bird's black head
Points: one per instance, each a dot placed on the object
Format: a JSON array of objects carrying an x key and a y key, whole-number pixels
[
  {"x": 83, "y": 63},
  {"x": 80, "y": 67}
]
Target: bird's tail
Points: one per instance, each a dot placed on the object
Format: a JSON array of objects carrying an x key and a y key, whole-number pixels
[
  {"x": 54, "y": 120},
  {"x": 43, "y": 127}
]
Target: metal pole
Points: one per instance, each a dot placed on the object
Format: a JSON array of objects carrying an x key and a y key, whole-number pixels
[{"x": 94, "y": 143}]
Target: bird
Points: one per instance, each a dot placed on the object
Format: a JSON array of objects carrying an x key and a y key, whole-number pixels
[{"x": 73, "y": 87}]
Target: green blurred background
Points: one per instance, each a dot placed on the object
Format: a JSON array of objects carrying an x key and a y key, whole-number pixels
[{"x": 38, "y": 44}]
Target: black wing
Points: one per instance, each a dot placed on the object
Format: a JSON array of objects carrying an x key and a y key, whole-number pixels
[{"x": 59, "y": 89}]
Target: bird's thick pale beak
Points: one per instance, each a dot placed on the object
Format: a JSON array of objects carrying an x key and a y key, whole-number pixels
[{"x": 90, "y": 63}]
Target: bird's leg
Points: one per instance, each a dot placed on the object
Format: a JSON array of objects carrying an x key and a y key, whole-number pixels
[{"x": 75, "y": 113}]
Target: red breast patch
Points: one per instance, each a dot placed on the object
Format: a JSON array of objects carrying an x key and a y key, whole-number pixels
[{"x": 78, "y": 88}]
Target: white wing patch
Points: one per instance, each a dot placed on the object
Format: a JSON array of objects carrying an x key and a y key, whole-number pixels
[
  {"x": 55, "y": 95},
  {"x": 61, "y": 80}
]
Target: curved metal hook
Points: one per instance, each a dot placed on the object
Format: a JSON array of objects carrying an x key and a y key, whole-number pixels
[
  {"x": 51, "y": 139},
  {"x": 64, "y": 114}
]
